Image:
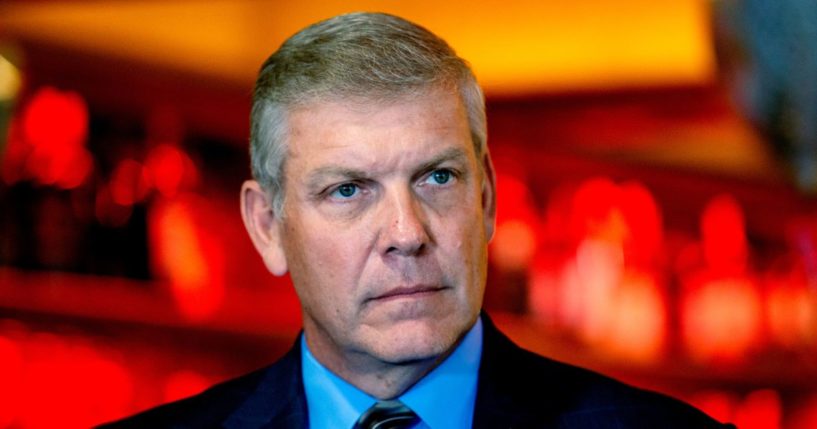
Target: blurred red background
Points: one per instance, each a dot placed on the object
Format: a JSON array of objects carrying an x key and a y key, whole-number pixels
[{"x": 649, "y": 226}]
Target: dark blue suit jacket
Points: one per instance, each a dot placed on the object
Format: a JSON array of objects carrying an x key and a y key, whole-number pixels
[{"x": 517, "y": 389}]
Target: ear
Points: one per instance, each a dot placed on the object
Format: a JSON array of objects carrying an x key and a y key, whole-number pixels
[
  {"x": 264, "y": 226},
  {"x": 488, "y": 195}
]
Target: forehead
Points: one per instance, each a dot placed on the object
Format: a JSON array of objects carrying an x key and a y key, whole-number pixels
[{"x": 359, "y": 131}]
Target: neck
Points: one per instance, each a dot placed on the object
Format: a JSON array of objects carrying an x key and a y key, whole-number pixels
[
  {"x": 384, "y": 380},
  {"x": 378, "y": 378}
]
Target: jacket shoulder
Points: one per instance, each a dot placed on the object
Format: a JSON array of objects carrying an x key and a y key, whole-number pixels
[
  {"x": 269, "y": 397},
  {"x": 535, "y": 391},
  {"x": 204, "y": 410}
]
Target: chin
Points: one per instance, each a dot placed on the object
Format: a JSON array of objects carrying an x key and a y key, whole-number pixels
[{"x": 407, "y": 344}]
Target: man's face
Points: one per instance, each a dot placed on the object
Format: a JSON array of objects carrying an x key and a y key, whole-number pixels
[{"x": 386, "y": 221}]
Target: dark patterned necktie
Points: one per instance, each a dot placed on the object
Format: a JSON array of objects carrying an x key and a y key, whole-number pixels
[{"x": 387, "y": 415}]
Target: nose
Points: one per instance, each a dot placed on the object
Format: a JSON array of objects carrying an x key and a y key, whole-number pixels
[{"x": 404, "y": 230}]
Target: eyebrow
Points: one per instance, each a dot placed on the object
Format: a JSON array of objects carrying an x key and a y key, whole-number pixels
[
  {"x": 320, "y": 174},
  {"x": 317, "y": 176},
  {"x": 452, "y": 154}
]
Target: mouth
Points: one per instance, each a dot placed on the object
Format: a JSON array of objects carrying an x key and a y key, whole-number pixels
[{"x": 418, "y": 291}]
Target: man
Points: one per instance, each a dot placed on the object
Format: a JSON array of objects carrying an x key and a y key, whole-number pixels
[{"x": 374, "y": 189}]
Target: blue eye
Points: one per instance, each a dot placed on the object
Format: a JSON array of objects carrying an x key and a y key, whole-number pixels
[
  {"x": 346, "y": 190},
  {"x": 441, "y": 177}
]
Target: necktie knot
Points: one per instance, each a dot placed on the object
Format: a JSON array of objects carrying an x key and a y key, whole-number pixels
[{"x": 387, "y": 415}]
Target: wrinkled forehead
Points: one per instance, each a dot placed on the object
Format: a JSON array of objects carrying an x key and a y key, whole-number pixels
[
  {"x": 443, "y": 105},
  {"x": 377, "y": 132},
  {"x": 363, "y": 104}
]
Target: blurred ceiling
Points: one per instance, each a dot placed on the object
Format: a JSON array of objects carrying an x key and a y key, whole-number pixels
[{"x": 516, "y": 47}]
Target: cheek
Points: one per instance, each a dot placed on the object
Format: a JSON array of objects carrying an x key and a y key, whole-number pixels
[
  {"x": 331, "y": 255},
  {"x": 465, "y": 240}
]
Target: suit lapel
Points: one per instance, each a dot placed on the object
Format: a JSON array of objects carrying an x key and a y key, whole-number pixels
[
  {"x": 278, "y": 401},
  {"x": 504, "y": 398},
  {"x": 494, "y": 407}
]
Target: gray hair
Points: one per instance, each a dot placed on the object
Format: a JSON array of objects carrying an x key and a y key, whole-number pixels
[{"x": 368, "y": 56}]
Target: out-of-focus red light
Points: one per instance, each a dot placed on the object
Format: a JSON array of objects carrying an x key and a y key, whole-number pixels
[
  {"x": 515, "y": 239},
  {"x": 75, "y": 384},
  {"x": 791, "y": 309},
  {"x": 170, "y": 169},
  {"x": 596, "y": 212},
  {"x": 93, "y": 374},
  {"x": 761, "y": 409},
  {"x": 55, "y": 126},
  {"x": 107, "y": 211},
  {"x": 723, "y": 235},
  {"x": 801, "y": 235},
  {"x": 804, "y": 415},
  {"x": 606, "y": 291},
  {"x": 14, "y": 154},
  {"x": 80, "y": 167},
  {"x": 11, "y": 371},
  {"x": 625, "y": 214},
  {"x": 514, "y": 245},
  {"x": 558, "y": 216},
  {"x": 129, "y": 183},
  {"x": 644, "y": 241},
  {"x": 544, "y": 291},
  {"x": 718, "y": 404},
  {"x": 514, "y": 197},
  {"x": 55, "y": 121},
  {"x": 184, "y": 383}
]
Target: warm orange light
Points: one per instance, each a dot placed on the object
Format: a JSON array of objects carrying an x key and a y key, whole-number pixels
[
  {"x": 552, "y": 45},
  {"x": 792, "y": 312},
  {"x": 514, "y": 245},
  {"x": 544, "y": 288},
  {"x": 605, "y": 290},
  {"x": 599, "y": 266},
  {"x": 515, "y": 239},
  {"x": 10, "y": 80},
  {"x": 515, "y": 47},
  {"x": 721, "y": 318},
  {"x": 189, "y": 256},
  {"x": 637, "y": 326}
]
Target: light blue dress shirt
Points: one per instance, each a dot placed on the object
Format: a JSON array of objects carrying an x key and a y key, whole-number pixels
[{"x": 442, "y": 399}]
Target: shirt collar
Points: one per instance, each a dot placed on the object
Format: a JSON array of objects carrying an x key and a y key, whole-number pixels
[
  {"x": 445, "y": 397},
  {"x": 333, "y": 402},
  {"x": 330, "y": 400}
]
